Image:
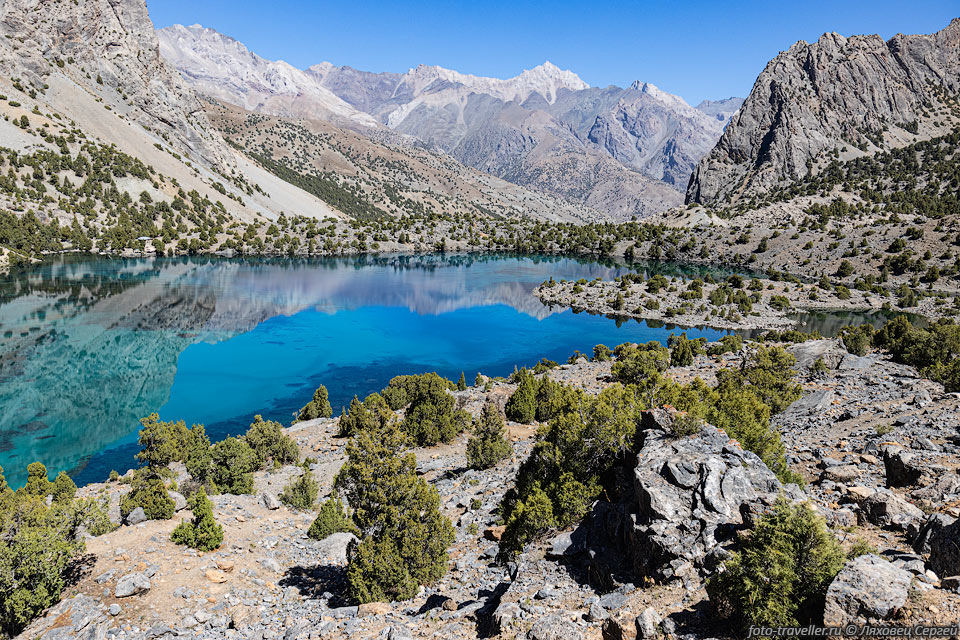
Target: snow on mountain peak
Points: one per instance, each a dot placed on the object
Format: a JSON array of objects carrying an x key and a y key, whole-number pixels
[{"x": 220, "y": 66}]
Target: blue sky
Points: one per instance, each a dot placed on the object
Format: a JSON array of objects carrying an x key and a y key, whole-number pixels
[{"x": 697, "y": 49}]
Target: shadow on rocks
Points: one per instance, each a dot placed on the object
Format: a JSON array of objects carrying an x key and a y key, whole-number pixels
[
  {"x": 700, "y": 620},
  {"x": 79, "y": 569},
  {"x": 319, "y": 581},
  {"x": 487, "y": 626}
]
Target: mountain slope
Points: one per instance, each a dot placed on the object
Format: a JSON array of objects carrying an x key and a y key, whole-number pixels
[
  {"x": 835, "y": 98},
  {"x": 624, "y": 151},
  {"x": 227, "y": 70},
  {"x": 378, "y": 178}
]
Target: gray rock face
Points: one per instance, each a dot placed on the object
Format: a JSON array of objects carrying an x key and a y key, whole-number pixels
[
  {"x": 334, "y": 547},
  {"x": 835, "y": 93},
  {"x": 179, "y": 502},
  {"x": 931, "y": 528},
  {"x": 648, "y": 623},
  {"x": 136, "y": 516},
  {"x": 886, "y": 509},
  {"x": 945, "y": 550},
  {"x": 903, "y": 467},
  {"x": 867, "y": 589},
  {"x": 112, "y": 40},
  {"x": 554, "y": 628},
  {"x": 692, "y": 493},
  {"x": 132, "y": 584},
  {"x": 269, "y": 501},
  {"x": 78, "y": 617}
]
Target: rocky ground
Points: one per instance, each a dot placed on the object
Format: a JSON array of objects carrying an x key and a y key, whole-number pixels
[
  {"x": 876, "y": 444},
  {"x": 668, "y": 304}
]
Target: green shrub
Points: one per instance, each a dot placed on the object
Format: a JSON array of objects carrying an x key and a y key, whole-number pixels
[
  {"x": 38, "y": 483},
  {"x": 430, "y": 416},
  {"x": 856, "y": 340},
  {"x": 681, "y": 353},
  {"x": 64, "y": 489},
  {"x": 233, "y": 463},
  {"x": 731, "y": 343},
  {"x": 462, "y": 382},
  {"x": 404, "y": 537},
  {"x": 571, "y": 454},
  {"x": 860, "y": 547},
  {"x": 935, "y": 351},
  {"x": 148, "y": 491},
  {"x": 203, "y": 532},
  {"x": 38, "y": 544},
  {"x": 198, "y": 456},
  {"x": 522, "y": 405},
  {"x": 161, "y": 442},
  {"x": 270, "y": 444},
  {"x": 529, "y": 518},
  {"x": 780, "y": 574},
  {"x": 635, "y": 363},
  {"x": 318, "y": 407},
  {"x": 332, "y": 518},
  {"x": 601, "y": 353},
  {"x": 488, "y": 446},
  {"x": 301, "y": 493}
]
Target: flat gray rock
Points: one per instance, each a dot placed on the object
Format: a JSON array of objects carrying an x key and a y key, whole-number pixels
[
  {"x": 867, "y": 589},
  {"x": 132, "y": 584}
]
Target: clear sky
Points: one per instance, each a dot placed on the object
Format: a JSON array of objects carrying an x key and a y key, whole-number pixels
[{"x": 695, "y": 48}]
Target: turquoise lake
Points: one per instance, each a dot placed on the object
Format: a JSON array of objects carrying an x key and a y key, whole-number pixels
[{"x": 88, "y": 346}]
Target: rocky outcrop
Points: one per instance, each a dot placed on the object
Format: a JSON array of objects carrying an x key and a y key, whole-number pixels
[
  {"x": 944, "y": 543},
  {"x": 693, "y": 493},
  {"x": 106, "y": 45},
  {"x": 867, "y": 589},
  {"x": 856, "y": 95},
  {"x": 656, "y": 133}
]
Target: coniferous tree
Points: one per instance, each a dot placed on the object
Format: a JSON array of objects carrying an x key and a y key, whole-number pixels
[
  {"x": 404, "y": 537},
  {"x": 488, "y": 446},
  {"x": 203, "y": 532}
]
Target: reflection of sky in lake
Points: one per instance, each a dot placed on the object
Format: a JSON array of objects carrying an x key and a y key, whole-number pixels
[{"x": 89, "y": 346}]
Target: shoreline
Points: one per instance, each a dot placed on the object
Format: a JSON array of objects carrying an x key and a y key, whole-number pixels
[{"x": 764, "y": 307}]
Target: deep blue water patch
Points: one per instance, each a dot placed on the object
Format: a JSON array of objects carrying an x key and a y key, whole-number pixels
[{"x": 89, "y": 346}]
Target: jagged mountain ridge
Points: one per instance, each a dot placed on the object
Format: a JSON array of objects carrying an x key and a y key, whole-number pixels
[
  {"x": 856, "y": 95},
  {"x": 625, "y": 151},
  {"x": 228, "y": 71}
]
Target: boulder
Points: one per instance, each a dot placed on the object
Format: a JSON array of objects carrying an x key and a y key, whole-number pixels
[
  {"x": 617, "y": 629},
  {"x": 335, "y": 546},
  {"x": 884, "y": 508},
  {"x": 903, "y": 467},
  {"x": 81, "y": 616},
  {"x": 136, "y": 516},
  {"x": 179, "y": 502},
  {"x": 554, "y": 628},
  {"x": 868, "y": 589},
  {"x": 648, "y": 623},
  {"x": 269, "y": 501},
  {"x": 132, "y": 584},
  {"x": 930, "y": 528},
  {"x": 945, "y": 549},
  {"x": 692, "y": 494}
]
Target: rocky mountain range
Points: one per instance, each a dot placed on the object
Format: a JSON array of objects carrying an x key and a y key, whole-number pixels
[
  {"x": 622, "y": 151},
  {"x": 835, "y": 98}
]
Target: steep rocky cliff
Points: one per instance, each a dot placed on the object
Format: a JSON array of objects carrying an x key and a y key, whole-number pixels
[
  {"x": 106, "y": 46},
  {"x": 837, "y": 97}
]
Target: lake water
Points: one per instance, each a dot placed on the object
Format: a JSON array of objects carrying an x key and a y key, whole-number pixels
[{"x": 88, "y": 346}]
